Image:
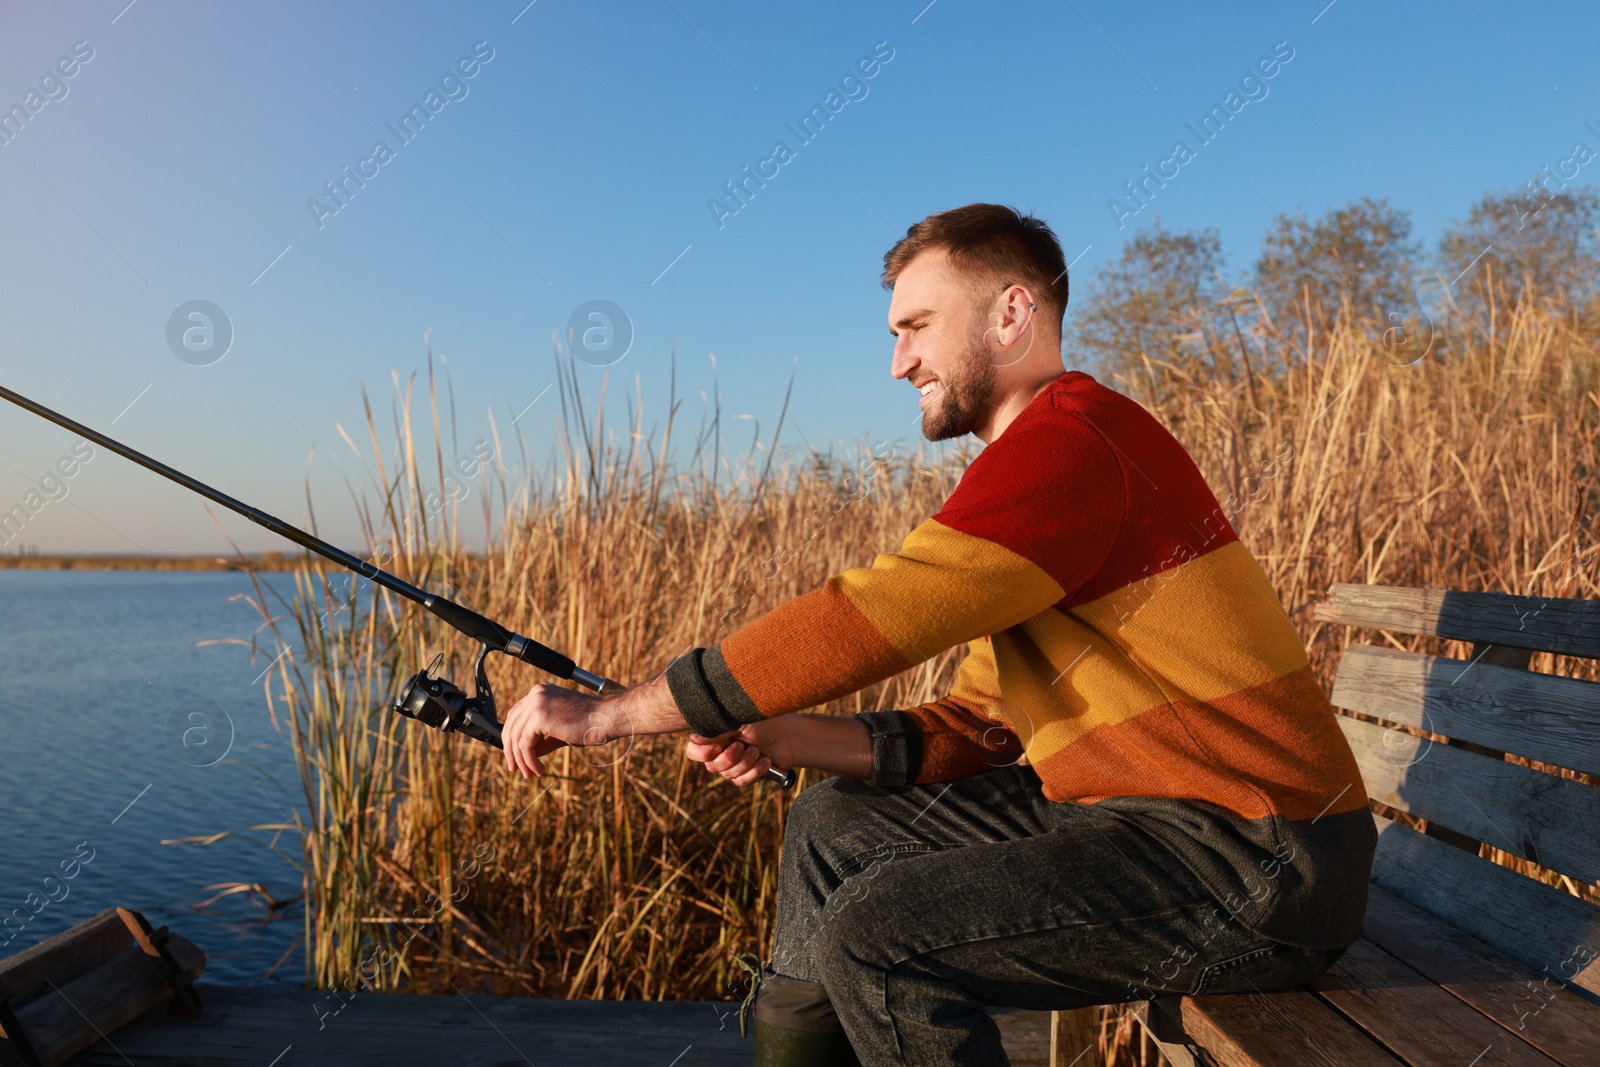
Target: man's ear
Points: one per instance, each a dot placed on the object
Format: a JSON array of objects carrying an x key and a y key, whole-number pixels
[{"x": 1010, "y": 329}]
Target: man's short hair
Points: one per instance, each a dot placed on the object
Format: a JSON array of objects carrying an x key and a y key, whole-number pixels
[{"x": 996, "y": 244}]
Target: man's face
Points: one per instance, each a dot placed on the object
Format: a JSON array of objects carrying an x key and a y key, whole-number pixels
[{"x": 939, "y": 345}]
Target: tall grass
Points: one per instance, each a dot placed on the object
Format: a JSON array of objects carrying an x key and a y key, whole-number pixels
[{"x": 629, "y": 872}]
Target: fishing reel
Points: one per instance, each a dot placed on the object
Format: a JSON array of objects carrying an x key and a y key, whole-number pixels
[{"x": 443, "y": 705}]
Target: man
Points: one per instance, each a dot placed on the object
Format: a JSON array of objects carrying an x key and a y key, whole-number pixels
[{"x": 1135, "y": 786}]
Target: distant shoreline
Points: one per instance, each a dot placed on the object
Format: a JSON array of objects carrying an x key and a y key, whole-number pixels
[{"x": 269, "y": 561}]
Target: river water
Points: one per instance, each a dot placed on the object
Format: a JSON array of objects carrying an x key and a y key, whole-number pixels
[{"x": 121, "y": 732}]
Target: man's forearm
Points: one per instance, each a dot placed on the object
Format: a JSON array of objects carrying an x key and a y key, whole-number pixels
[
  {"x": 828, "y": 743},
  {"x": 647, "y": 708}
]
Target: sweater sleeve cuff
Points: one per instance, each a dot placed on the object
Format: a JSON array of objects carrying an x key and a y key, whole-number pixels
[
  {"x": 708, "y": 695},
  {"x": 896, "y": 747}
]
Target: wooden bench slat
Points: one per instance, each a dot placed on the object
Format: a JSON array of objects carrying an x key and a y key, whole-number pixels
[
  {"x": 1272, "y": 1029},
  {"x": 1540, "y": 817},
  {"x": 1543, "y": 624},
  {"x": 1527, "y": 1002},
  {"x": 1539, "y": 716},
  {"x": 249, "y": 1027},
  {"x": 1416, "y": 1020},
  {"x": 1531, "y": 922},
  {"x": 65, "y": 956}
]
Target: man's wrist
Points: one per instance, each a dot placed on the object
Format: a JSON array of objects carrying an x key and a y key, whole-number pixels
[{"x": 896, "y": 747}]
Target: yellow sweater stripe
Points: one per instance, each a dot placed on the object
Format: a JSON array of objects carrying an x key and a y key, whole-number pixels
[
  {"x": 1194, "y": 639},
  {"x": 945, "y": 588},
  {"x": 1208, "y": 627}
]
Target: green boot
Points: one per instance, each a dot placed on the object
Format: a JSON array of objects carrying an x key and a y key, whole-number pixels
[
  {"x": 795, "y": 1025},
  {"x": 779, "y": 1047}
]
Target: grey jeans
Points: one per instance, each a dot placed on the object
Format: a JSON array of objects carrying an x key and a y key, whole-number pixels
[{"x": 903, "y": 912}]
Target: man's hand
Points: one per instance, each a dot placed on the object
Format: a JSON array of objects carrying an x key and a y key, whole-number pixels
[
  {"x": 743, "y": 756},
  {"x": 551, "y": 716}
]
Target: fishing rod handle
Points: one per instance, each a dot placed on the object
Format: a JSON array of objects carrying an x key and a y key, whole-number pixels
[{"x": 594, "y": 681}]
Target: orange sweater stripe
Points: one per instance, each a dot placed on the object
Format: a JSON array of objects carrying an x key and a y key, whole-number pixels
[{"x": 1267, "y": 750}]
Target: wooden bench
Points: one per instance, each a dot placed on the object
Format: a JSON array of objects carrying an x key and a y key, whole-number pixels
[
  {"x": 1463, "y": 962},
  {"x": 68, "y": 992}
]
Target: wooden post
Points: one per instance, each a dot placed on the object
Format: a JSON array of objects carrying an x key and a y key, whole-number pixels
[
  {"x": 1075, "y": 1038},
  {"x": 185, "y": 1001}
]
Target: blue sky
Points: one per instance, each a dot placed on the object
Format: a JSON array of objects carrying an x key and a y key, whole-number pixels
[{"x": 579, "y": 162}]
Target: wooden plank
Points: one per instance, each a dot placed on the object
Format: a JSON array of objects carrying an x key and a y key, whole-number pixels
[
  {"x": 1533, "y": 923},
  {"x": 65, "y": 956},
  {"x": 1544, "y": 624},
  {"x": 1539, "y": 716},
  {"x": 1026, "y": 1036},
  {"x": 1274, "y": 1029},
  {"x": 1416, "y": 1020},
  {"x": 1533, "y": 1004},
  {"x": 252, "y": 1027},
  {"x": 75, "y": 1015},
  {"x": 1540, "y": 817},
  {"x": 1160, "y": 1024},
  {"x": 1075, "y": 1038},
  {"x": 1501, "y": 655}
]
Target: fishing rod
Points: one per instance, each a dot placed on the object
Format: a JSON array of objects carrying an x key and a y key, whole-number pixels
[{"x": 432, "y": 701}]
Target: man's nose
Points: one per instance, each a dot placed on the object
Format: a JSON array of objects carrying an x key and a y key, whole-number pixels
[{"x": 903, "y": 362}]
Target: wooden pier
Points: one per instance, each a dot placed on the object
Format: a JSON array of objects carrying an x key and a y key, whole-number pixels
[{"x": 243, "y": 1027}]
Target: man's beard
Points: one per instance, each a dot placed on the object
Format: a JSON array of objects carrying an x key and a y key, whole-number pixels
[{"x": 963, "y": 396}]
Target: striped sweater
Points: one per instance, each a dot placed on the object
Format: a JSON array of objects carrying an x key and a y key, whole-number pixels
[{"x": 1119, "y": 633}]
